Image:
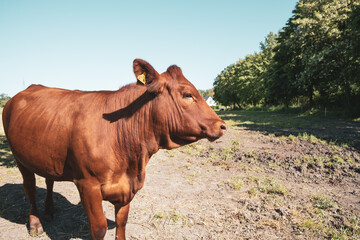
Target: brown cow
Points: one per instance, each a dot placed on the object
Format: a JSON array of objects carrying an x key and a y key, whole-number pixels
[{"x": 103, "y": 140}]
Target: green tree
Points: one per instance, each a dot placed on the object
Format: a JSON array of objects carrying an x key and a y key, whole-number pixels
[
  {"x": 3, "y": 99},
  {"x": 224, "y": 90},
  {"x": 207, "y": 93},
  {"x": 315, "y": 54},
  {"x": 322, "y": 30},
  {"x": 242, "y": 83},
  {"x": 315, "y": 57}
]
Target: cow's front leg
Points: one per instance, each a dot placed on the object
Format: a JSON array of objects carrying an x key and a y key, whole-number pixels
[
  {"x": 121, "y": 216},
  {"x": 91, "y": 200}
]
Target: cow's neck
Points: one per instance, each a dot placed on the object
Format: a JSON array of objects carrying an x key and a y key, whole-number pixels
[{"x": 134, "y": 128}]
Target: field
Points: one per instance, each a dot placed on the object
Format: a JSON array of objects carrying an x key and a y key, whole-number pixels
[{"x": 272, "y": 176}]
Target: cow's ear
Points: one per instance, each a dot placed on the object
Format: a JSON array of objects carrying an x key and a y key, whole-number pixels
[
  {"x": 148, "y": 76},
  {"x": 175, "y": 72}
]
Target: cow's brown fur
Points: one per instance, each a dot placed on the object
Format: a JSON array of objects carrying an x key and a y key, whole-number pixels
[{"x": 103, "y": 140}]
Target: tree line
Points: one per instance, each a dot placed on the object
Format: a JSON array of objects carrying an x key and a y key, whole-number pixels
[
  {"x": 3, "y": 99},
  {"x": 313, "y": 61}
]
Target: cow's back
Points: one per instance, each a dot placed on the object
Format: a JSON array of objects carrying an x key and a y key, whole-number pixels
[{"x": 39, "y": 123}]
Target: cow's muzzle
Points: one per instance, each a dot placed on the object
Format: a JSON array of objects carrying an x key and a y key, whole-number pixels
[{"x": 214, "y": 130}]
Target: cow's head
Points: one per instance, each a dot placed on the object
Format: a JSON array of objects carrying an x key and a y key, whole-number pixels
[{"x": 182, "y": 116}]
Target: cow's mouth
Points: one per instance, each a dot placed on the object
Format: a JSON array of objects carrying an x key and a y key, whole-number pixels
[
  {"x": 183, "y": 140},
  {"x": 212, "y": 138},
  {"x": 191, "y": 139}
]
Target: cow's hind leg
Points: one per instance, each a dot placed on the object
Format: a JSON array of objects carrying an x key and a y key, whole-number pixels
[
  {"x": 30, "y": 191},
  {"x": 49, "y": 202}
]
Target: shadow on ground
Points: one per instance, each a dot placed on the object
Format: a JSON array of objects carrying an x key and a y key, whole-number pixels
[
  {"x": 69, "y": 220},
  {"x": 283, "y": 124}
]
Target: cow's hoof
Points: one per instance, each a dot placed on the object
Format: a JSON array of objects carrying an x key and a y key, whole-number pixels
[
  {"x": 36, "y": 231},
  {"x": 36, "y": 228}
]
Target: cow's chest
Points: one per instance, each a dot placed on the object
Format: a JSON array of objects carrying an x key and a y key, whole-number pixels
[{"x": 120, "y": 190}]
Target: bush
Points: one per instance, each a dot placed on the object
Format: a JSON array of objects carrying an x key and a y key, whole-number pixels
[{"x": 3, "y": 99}]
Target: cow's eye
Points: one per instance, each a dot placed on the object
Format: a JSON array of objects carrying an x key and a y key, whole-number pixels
[{"x": 187, "y": 95}]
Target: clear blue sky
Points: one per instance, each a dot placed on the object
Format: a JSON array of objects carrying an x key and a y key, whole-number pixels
[{"x": 90, "y": 45}]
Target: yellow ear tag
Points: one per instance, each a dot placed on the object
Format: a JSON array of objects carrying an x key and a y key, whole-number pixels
[{"x": 142, "y": 78}]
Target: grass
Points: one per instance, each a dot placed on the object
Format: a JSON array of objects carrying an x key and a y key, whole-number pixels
[
  {"x": 292, "y": 138},
  {"x": 169, "y": 153},
  {"x": 187, "y": 166},
  {"x": 271, "y": 186},
  {"x": 192, "y": 149},
  {"x": 191, "y": 177},
  {"x": 337, "y": 159},
  {"x": 226, "y": 154},
  {"x": 261, "y": 120},
  {"x": 235, "y": 146},
  {"x": 267, "y": 185},
  {"x": 169, "y": 217},
  {"x": 328, "y": 162},
  {"x": 236, "y": 183},
  {"x": 321, "y": 201},
  {"x": 317, "y": 160},
  {"x": 250, "y": 154},
  {"x": 323, "y": 227},
  {"x": 313, "y": 225},
  {"x": 315, "y": 112},
  {"x": 311, "y": 138},
  {"x": 223, "y": 154},
  {"x": 320, "y": 222},
  {"x": 296, "y": 126}
]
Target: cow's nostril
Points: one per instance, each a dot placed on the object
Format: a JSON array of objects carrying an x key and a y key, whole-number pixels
[{"x": 223, "y": 127}]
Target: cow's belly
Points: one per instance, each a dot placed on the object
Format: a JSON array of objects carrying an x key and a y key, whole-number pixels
[
  {"x": 40, "y": 157},
  {"x": 45, "y": 167}
]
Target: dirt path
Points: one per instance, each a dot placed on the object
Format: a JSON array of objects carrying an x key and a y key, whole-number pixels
[{"x": 248, "y": 185}]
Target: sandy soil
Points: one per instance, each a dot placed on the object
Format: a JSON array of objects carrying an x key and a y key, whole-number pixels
[{"x": 249, "y": 184}]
